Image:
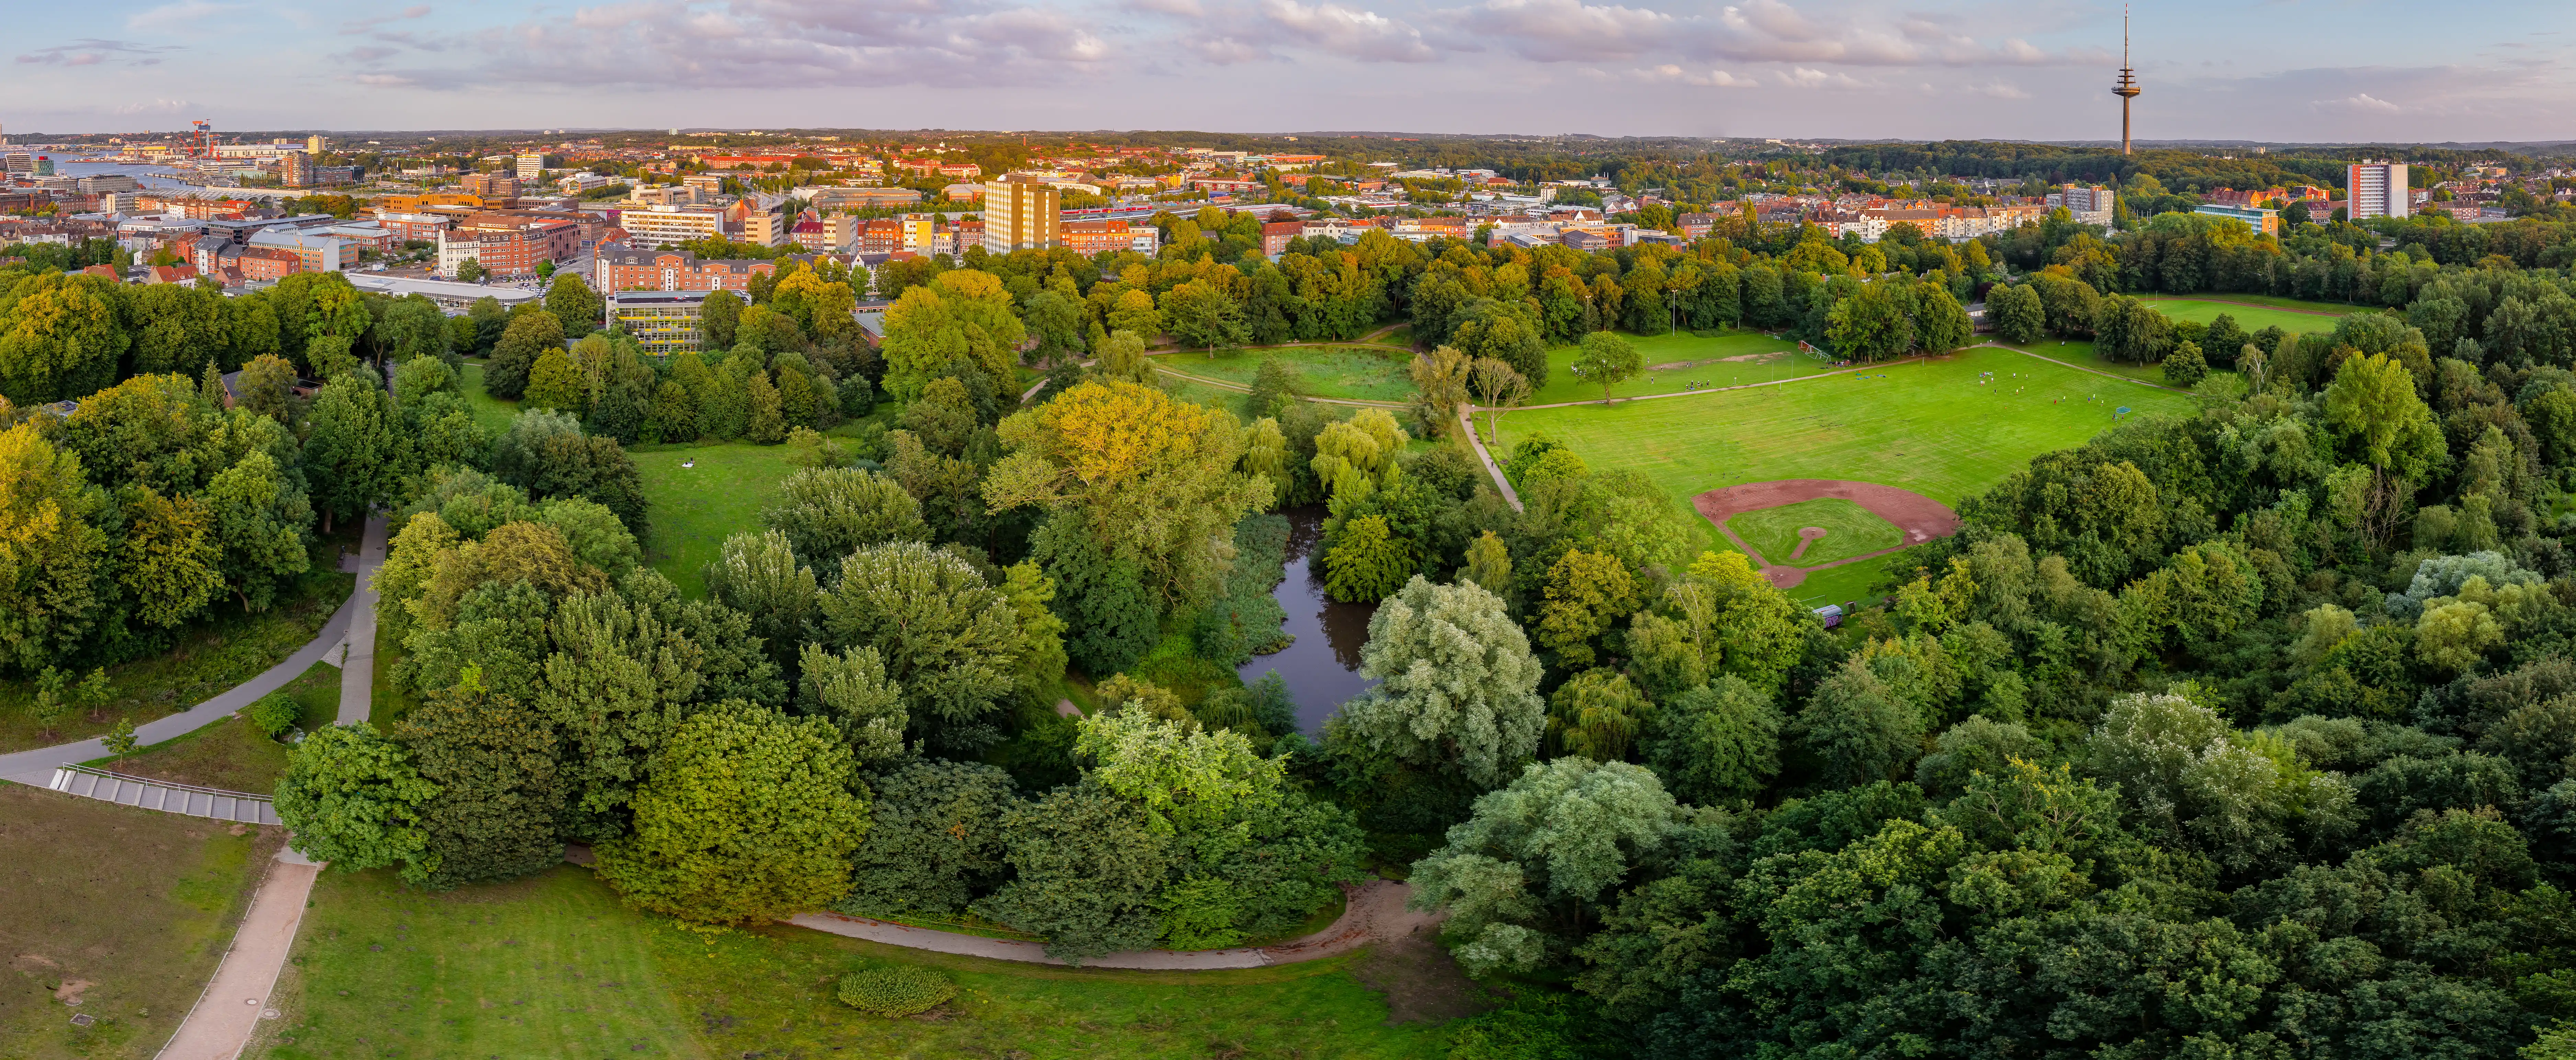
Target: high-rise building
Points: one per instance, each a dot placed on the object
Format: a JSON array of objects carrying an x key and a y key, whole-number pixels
[
  {"x": 295, "y": 169},
  {"x": 1021, "y": 212},
  {"x": 532, "y": 166},
  {"x": 2376, "y": 189},
  {"x": 313, "y": 145}
]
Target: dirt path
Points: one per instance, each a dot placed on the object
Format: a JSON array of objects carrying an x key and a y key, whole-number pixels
[
  {"x": 237, "y": 998},
  {"x": 1918, "y": 517},
  {"x": 1376, "y": 913}
]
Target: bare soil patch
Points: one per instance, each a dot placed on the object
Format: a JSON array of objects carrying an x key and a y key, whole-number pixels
[{"x": 1920, "y": 518}]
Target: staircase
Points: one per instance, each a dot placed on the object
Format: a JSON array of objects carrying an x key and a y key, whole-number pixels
[{"x": 164, "y": 796}]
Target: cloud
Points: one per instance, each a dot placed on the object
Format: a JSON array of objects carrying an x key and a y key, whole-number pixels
[
  {"x": 1348, "y": 32},
  {"x": 92, "y": 51},
  {"x": 1673, "y": 74},
  {"x": 1804, "y": 77},
  {"x": 157, "y": 106},
  {"x": 1999, "y": 89},
  {"x": 2362, "y": 101},
  {"x": 365, "y": 24},
  {"x": 179, "y": 15},
  {"x": 1560, "y": 30}
]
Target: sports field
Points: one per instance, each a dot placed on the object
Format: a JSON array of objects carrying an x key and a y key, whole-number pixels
[
  {"x": 695, "y": 508},
  {"x": 2290, "y": 316},
  {"x": 1680, "y": 361},
  {"x": 554, "y": 966},
  {"x": 1368, "y": 373},
  {"x": 1930, "y": 427},
  {"x": 1849, "y": 530}
]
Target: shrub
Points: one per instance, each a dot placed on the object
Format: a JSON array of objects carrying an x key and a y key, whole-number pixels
[
  {"x": 896, "y": 990},
  {"x": 274, "y": 714}
]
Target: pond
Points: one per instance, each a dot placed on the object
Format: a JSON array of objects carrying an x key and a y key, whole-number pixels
[{"x": 1322, "y": 665}]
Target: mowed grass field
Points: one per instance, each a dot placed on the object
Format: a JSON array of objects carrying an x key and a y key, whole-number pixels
[
  {"x": 2287, "y": 315},
  {"x": 1927, "y": 426},
  {"x": 128, "y": 910},
  {"x": 1367, "y": 373},
  {"x": 1850, "y": 530},
  {"x": 493, "y": 413},
  {"x": 554, "y": 966},
  {"x": 693, "y": 509},
  {"x": 1675, "y": 361}
]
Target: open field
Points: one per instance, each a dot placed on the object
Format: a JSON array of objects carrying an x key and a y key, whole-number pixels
[
  {"x": 231, "y": 755},
  {"x": 1362, "y": 372},
  {"x": 554, "y": 966},
  {"x": 1725, "y": 360},
  {"x": 493, "y": 413},
  {"x": 2292, "y": 317},
  {"x": 696, "y": 508},
  {"x": 207, "y": 658},
  {"x": 1927, "y": 427},
  {"x": 127, "y": 909},
  {"x": 1849, "y": 530}
]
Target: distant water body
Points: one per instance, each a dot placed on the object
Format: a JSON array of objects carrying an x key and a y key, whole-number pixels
[{"x": 1322, "y": 666}]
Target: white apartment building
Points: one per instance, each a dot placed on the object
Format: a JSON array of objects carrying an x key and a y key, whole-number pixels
[
  {"x": 2376, "y": 189},
  {"x": 671, "y": 224},
  {"x": 531, "y": 167}
]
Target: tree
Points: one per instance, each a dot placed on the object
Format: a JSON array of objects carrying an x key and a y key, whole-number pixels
[
  {"x": 266, "y": 386},
  {"x": 1940, "y": 325},
  {"x": 168, "y": 559},
  {"x": 556, "y": 383},
  {"x": 1870, "y": 323},
  {"x": 1123, "y": 358},
  {"x": 1155, "y": 480},
  {"x": 1606, "y": 360},
  {"x": 1715, "y": 743},
  {"x": 349, "y": 449},
  {"x": 759, "y": 576},
  {"x": 493, "y": 763},
  {"x": 352, "y": 798},
  {"x": 1497, "y": 387},
  {"x": 952, "y": 642},
  {"x": 1440, "y": 382},
  {"x": 119, "y": 741},
  {"x": 1367, "y": 563},
  {"x": 1204, "y": 314},
  {"x": 717, "y": 321},
  {"x": 1596, "y": 715},
  {"x": 1457, "y": 686},
  {"x": 1135, "y": 314},
  {"x": 1489, "y": 564},
  {"x": 936, "y": 841},
  {"x": 65, "y": 337},
  {"x": 1103, "y": 600},
  {"x": 748, "y": 816},
  {"x": 1856, "y": 729},
  {"x": 1586, "y": 593},
  {"x": 2372, "y": 406},
  {"x": 470, "y": 271},
  {"x": 1519, "y": 877},
  {"x": 574, "y": 304},
  {"x": 827, "y": 513},
  {"x": 2017, "y": 313},
  {"x": 529, "y": 335},
  {"x": 2184, "y": 367},
  {"x": 768, "y": 424},
  {"x": 1056, "y": 322},
  {"x": 1086, "y": 869}
]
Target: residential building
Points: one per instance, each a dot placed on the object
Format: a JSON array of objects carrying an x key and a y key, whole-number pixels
[
  {"x": 261, "y": 264},
  {"x": 318, "y": 253},
  {"x": 827, "y": 200},
  {"x": 1095, "y": 237},
  {"x": 921, "y": 235},
  {"x": 676, "y": 224},
  {"x": 1021, "y": 213},
  {"x": 1276, "y": 235},
  {"x": 170, "y": 274},
  {"x": 707, "y": 184},
  {"x": 962, "y": 192},
  {"x": 336, "y": 176},
  {"x": 457, "y": 202},
  {"x": 2375, "y": 189},
  {"x": 663, "y": 322},
  {"x": 313, "y": 145},
  {"x": 1224, "y": 186},
  {"x": 628, "y": 269},
  {"x": 2265, "y": 222},
  {"x": 410, "y": 226},
  {"x": 2082, "y": 199},
  {"x": 1696, "y": 225},
  {"x": 295, "y": 169},
  {"x": 491, "y": 185},
  {"x": 762, "y": 228},
  {"x": 363, "y": 235},
  {"x": 581, "y": 182},
  {"x": 507, "y": 246},
  {"x": 531, "y": 167}
]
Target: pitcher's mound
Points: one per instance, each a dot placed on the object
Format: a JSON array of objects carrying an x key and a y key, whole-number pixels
[{"x": 1920, "y": 518}]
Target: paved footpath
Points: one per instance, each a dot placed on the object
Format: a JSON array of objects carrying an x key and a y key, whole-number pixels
[
  {"x": 1376, "y": 913},
  {"x": 238, "y": 996},
  {"x": 36, "y": 767}
]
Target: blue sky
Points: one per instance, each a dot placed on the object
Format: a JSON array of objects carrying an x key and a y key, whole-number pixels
[{"x": 2278, "y": 70}]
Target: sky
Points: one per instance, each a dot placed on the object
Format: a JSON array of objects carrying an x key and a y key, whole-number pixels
[{"x": 2271, "y": 70}]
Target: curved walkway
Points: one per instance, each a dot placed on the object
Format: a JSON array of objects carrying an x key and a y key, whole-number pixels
[
  {"x": 1376, "y": 913},
  {"x": 36, "y": 768}
]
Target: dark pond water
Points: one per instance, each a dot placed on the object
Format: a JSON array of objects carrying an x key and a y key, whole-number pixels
[{"x": 1322, "y": 665}]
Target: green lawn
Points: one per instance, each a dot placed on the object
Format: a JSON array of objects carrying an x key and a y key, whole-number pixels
[
  {"x": 2319, "y": 316},
  {"x": 1726, "y": 360},
  {"x": 1362, "y": 372},
  {"x": 493, "y": 413},
  {"x": 231, "y": 755},
  {"x": 2080, "y": 352},
  {"x": 1927, "y": 427},
  {"x": 1850, "y": 530},
  {"x": 127, "y": 909},
  {"x": 554, "y": 966},
  {"x": 696, "y": 508}
]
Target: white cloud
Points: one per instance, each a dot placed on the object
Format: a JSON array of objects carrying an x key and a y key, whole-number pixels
[
  {"x": 1561, "y": 30},
  {"x": 1806, "y": 77},
  {"x": 1674, "y": 74},
  {"x": 178, "y": 15},
  {"x": 2366, "y": 102},
  {"x": 157, "y": 106},
  {"x": 1349, "y": 32}
]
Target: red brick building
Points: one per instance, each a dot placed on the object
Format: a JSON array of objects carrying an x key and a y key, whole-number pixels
[
  {"x": 617, "y": 268},
  {"x": 263, "y": 264},
  {"x": 1092, "y": 237},
  {"x": 1276, "y": 234}
]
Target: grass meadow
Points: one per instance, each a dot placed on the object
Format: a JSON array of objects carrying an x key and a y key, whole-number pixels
[
  {"x": 1676, "y": 361},
  {"x": 493, "y": 413},
  {"x": 552, "y": 965},
  {"x": 1929, "y": 427},
  {"x": 695, "y": 508},
  {"x": 1365, "y": 373},
  {"x": 231, "y": 755}
]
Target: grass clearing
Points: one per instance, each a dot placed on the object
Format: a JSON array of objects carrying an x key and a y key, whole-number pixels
[
  {"x": 493, "y": 413},
  {"x": 203, "y": 659},
  {"x": 231, "y": 755},
  {"x": 696, "y": 508},
  {"x": 2293, "y": 318},
  {"x": 1927, "y": 426},
  {"x": 554, "y": 966},
  {"x": 1850, "y": 530},
  {"x": 1364, "y": 373},
  {"x": 1677, "y": 360},
  {"x": 137, "y": 905}
]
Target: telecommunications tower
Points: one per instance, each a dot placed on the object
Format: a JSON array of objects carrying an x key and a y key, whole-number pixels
[{"x": 2127, "y": 89}]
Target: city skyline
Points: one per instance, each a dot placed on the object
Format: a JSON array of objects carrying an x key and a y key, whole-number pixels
[{"x": 1834, "y": 69}]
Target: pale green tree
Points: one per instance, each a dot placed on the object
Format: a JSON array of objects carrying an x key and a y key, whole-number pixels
[
  {"x": 828, "y": 513},
  {"x": 1607, "y": 359},
  {"x": 1520, "y": 877},
  {"x": 1457, "y": 686},
  {"x": 749, "y": 816},
  {"x": 353, "y": 799}
]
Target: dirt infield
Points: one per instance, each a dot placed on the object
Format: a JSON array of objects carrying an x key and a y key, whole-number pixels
[{"x": 1919, "y": 517}]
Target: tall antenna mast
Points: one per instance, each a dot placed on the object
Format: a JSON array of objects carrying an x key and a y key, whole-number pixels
[{"x": 2127, "y": 88}]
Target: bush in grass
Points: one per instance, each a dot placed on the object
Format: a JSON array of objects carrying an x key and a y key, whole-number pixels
[
  {"x": 896, "y": 990},
  {"x": 274, "y": 714}
]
